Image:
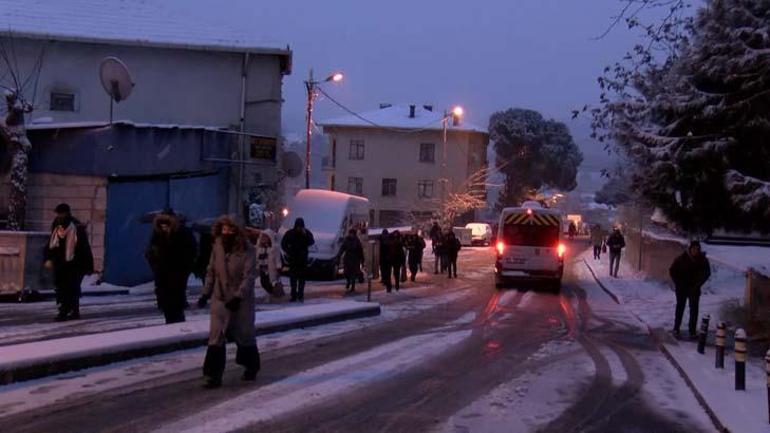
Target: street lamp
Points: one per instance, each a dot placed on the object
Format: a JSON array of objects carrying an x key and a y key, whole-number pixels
[
  {"x": 310, "y": 85},
  {"x": 455, "y": 114}
]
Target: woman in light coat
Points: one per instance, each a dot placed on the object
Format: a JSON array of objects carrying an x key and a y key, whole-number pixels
[{"x": 229, "y": 284}]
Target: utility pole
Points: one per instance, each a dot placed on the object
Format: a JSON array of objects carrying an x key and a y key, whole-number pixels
[{"x": 310, "y": 86}]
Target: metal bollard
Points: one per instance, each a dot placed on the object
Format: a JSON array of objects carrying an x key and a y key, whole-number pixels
[
  {"x": 720, "y": 342},
  {"x": 740, "y": 360},
  {"x": 704, "y": 330},
  {"x": 767, "y": 369}
]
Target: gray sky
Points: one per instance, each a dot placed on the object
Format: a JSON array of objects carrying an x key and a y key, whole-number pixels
[{"x": 486, "y": 55}]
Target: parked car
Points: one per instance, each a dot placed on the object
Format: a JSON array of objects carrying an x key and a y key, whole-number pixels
[{"x": 481, "y": 233}]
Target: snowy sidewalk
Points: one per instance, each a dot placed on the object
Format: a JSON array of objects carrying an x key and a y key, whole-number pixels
[
  {"x": 653, "y": 304},
  {"x": 38, "y": 359}
]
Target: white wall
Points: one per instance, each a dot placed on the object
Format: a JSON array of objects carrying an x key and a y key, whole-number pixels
[{"x": 173, "y": 86}]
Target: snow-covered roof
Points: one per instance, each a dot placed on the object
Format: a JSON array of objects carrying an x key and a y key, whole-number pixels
[
  {"x": 104, "y": 124},
  {"x": 398, "y": 117},
  {"x": 126, "y": 22}
]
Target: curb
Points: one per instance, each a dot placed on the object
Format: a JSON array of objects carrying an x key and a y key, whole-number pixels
[
  {"x": 75, "y": 363},
  {"x": 671, "y": 359}
]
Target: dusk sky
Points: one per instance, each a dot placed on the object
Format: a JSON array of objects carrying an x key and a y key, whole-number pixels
[{"x": 486, "y": 55}]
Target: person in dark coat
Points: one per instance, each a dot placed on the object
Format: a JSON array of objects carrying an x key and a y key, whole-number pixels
[
  {"x": 68, "y": 253},
  {"x": 230, "y": 280},
  {"x": 452, "y": 247},
  {"x": 689, "y": 271},
  {"x": 396, "y": 258},
  {"x": 385, "y": 265},
  {"x": 415, "y": 247},
  {"x": 171, "y": 256},
  {"x": 352, "y": 254},
  {"x": 615, "y": 243},
  {"x": 296, "y": 244}
]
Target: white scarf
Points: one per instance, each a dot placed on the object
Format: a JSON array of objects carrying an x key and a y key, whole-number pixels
[{"x": 70, "y": 240}]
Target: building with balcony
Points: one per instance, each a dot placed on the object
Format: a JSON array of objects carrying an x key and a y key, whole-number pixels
[{"x": 394, "y": 156}]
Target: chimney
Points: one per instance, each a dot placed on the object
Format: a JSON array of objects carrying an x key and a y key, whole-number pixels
[
  {"x": 428, "y": 107},
  {"x": 411, "y": 111},
  {"x": 384, "y": 105},
  {"x": 455, "y": 120}
]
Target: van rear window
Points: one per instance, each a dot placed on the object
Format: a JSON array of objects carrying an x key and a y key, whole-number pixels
[{"x": 531, "y": 235}]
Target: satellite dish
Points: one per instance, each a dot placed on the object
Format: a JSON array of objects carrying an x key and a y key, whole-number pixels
[
  {"x": 291, "y": 164},
  {"x": 116, "y": 80}
]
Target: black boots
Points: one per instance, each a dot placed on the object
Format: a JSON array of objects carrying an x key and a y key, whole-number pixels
[
  {"x": 214, "y": 366},
  {"x": 248, "y": 357}
]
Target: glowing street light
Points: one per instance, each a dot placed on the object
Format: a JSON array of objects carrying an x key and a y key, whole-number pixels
[
  {"x": 312, "y": 93},
  {"x": 455, "y": 114}
]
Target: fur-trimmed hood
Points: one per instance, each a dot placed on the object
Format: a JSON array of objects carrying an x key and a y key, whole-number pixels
[
  {"x": 240, "y": 235},
  {"x": 165, "y": 218}
]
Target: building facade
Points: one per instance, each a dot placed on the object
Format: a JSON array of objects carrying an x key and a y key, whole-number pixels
[
  {"x": 395, "y": 158},
  {"x": 186, "y": 72},
  {"x": 199, "y": 133}
]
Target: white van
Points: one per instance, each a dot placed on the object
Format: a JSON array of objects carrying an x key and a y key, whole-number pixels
[
  {"x": 481, "y": 233},
  {"x": 329, "y": 215},
  {"x": 529, "y": 245}
]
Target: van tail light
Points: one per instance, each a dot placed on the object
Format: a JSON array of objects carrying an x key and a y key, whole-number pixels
[
  {"x": 500, "y": 248},
  {"x": 560, "y": 250}
]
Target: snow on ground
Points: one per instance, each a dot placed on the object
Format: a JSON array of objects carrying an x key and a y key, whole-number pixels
[
  {"x": 654, "y": 302},
  {"x": 56, "y": 350},
  {"x": 319, "y": 384},
  {"x": 28, "y": 395},
  {"x": 739, "y": 411},
  {"x": 531, "y": 400}
]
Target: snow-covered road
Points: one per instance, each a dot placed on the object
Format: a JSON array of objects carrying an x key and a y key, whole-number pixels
[{"x": 446, "y": 356}]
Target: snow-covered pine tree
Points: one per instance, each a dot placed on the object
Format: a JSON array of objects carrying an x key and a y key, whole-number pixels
[
  {"x": 696, "y": 127},
  {"x": 14, "y": 131}
]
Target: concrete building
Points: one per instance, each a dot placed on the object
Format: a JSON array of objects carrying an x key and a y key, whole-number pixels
[
  {"x": 394, "y": 156},
  {"x": 200, "y": 131}
]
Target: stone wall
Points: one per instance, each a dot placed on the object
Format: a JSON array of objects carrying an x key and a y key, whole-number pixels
[{"x": 86, "y": 195}]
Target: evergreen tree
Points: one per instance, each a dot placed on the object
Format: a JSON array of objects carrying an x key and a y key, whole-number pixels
[
  {"x": 696, "y": 126},
  {"x": 532, "y": 152}
]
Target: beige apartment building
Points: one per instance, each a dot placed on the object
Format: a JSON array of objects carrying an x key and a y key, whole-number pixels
[{"x": 395, "y": 157}]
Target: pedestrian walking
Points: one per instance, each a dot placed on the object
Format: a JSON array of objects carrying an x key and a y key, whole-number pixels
[
  {"x": 171, "y": 255},
  {"x": 689, "y": 271},
  {"x": 296, "y": 243},
  {"x": 230, "y": 279},
  {"x": 615, "y": 242},
  {"x": 269, "y": 264},
  {"x": 352, "y": 255},
  {"x": 385, "y": 265},
  {"x": 415, "y": 247},
  {"x": 572, "y": 230},
  {"x": 597, "y": 240},
  {"x": 396, "y": 258},
  {"x": 68, "y": 253},
  {"x": 452, "y": 247}
]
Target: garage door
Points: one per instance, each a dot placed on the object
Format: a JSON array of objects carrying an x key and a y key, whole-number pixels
[{"x": 127, "y": 236}]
